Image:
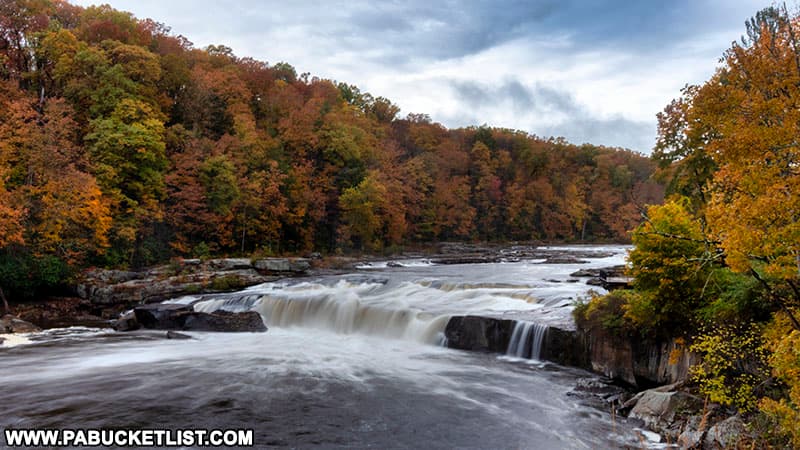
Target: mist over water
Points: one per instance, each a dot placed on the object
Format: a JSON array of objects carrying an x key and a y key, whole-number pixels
[{"x": 348, "y": 362}]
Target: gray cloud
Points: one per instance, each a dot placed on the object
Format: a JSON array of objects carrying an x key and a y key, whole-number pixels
[
  {"x": 519, "y": 63},
  {"x": 551, "y": 112}
]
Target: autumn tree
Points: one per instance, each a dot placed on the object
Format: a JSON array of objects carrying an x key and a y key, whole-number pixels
[{"x": 127, "y": 154}]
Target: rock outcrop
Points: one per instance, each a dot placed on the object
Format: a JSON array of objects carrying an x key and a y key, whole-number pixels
[
  {"x": 639, "y": 364},
  {"x": 184, "y": 277},
  {"x": 169, "y": 316},
  {"x": 660, "y": 408},
  {"x": 12, "y": 324},
  {"x": 475, "y": 333}
]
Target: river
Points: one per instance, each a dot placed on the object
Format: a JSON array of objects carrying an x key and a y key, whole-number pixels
[{"x": 349, "y": 361}]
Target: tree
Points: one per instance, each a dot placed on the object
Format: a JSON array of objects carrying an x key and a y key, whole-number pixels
[
  {"x": 669, "y": 270},
  {"x": 362, "y": 208},
  {"x": 127, "y": 155},
  {"x": 753, "y": 206}
]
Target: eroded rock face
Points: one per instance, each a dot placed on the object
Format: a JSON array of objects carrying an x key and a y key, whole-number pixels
[
  {"x": 483, "y": 334},
  {"x": 637, "y": 363},
  {"x": 184, "y": 277}
]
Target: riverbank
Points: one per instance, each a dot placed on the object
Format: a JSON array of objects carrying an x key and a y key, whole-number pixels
[
  {"x": 634, "y": 365},
  {"x": 99, "y": 296}
]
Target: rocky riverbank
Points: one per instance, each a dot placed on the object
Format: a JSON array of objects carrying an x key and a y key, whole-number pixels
[{"x": 658, "y": 371}]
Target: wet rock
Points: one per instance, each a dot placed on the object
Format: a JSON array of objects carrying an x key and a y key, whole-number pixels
[
  {"x": 393, "y": 264},
  {"x": 169, "y": 316},
  {"x": 191, "y": 262},
  {"x": 12, "y": 324},
  {"x": 586, "y": 273},
  {"x": 726, "y": 434},
  {"x": 594, "y": 282},
  {"x": 482, "y": 259},
  {"x": 476, "y": 333},
  {"x": 175, "y": 335},
  {"x": 225, "y": 321},
  {"x": 126, "y": 322},
  {"x": 564, "y": 259},
  {"x": 162, "y": 316}
]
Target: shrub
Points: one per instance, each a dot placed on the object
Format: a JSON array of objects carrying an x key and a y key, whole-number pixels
[
  {"x": 25, "y": 276},
  {"x": 606, "y": 312},
  {"x": 227, "y": 283},
  {"x": 733, "y": 365},
  {"x": 784, "y": 343}
]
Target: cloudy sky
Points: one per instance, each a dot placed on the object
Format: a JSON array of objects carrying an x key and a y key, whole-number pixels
[{"x": 589, "y": 70}]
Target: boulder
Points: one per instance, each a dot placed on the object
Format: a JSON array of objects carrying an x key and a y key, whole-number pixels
[
  {"x": 175, "y": 335},
  {"x": 299, "y": 265},
  {"x": 295, "y": 265},
  {"x": 272, "y": 265},
  {"x": 564, "y": 259},
  {"x": 586, "y": 273},
  {"x": 692, "y": 434},
  {"x": 230, "y": 264},
  {"x": 484, "y": 334},
  {"x": 12, "y": 324},
  {"x": 170, "y": 316},
  {"x": 126, "y": 322},
  {"x": 162, "y": 316},
  {"x": 726, "y": 434},
  {"x": 224, "y": 321},
  {"x": 658, "y": 409}
]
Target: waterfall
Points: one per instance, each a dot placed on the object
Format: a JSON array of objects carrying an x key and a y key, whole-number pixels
[
  {"x": 343, "y": 308},
  {"x": 526, "y": 340}
]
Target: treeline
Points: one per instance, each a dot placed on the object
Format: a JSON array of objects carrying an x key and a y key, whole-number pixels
[
  {"x": 123, "y": 145},
  {"x": 718, "y": 265}
]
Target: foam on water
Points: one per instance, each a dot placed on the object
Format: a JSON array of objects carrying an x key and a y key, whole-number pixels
[{"x": 414, "y": 302}]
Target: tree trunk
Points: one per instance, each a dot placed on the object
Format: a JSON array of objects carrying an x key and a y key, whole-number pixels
[{"x": 6, "y": 309}]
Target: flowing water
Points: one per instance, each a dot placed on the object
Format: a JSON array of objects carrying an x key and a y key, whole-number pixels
[{"x": 351, "y": 361}]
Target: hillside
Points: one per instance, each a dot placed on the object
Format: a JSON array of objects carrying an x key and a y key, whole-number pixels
[{"x": 123, "y": 145}]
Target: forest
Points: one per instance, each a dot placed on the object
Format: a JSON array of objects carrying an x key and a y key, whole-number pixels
[
  {"x": 718, "y": 264},
  {"x": 122, "y": 145}
]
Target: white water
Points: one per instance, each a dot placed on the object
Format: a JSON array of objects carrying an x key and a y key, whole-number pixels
[
  {"x": 345, "y": 364},
  {"x": 13, "y": 340},
  {"x": 415, "y": 302},
  {"x": 526, "y": 340}
]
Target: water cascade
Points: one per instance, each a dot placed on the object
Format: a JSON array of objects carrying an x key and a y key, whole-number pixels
[
  {"x": 343, "y": 308},
  {"x": 526, "y": 340}
]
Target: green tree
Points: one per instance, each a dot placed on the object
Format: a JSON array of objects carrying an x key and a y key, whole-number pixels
[{"x": 127, "y": 155}]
